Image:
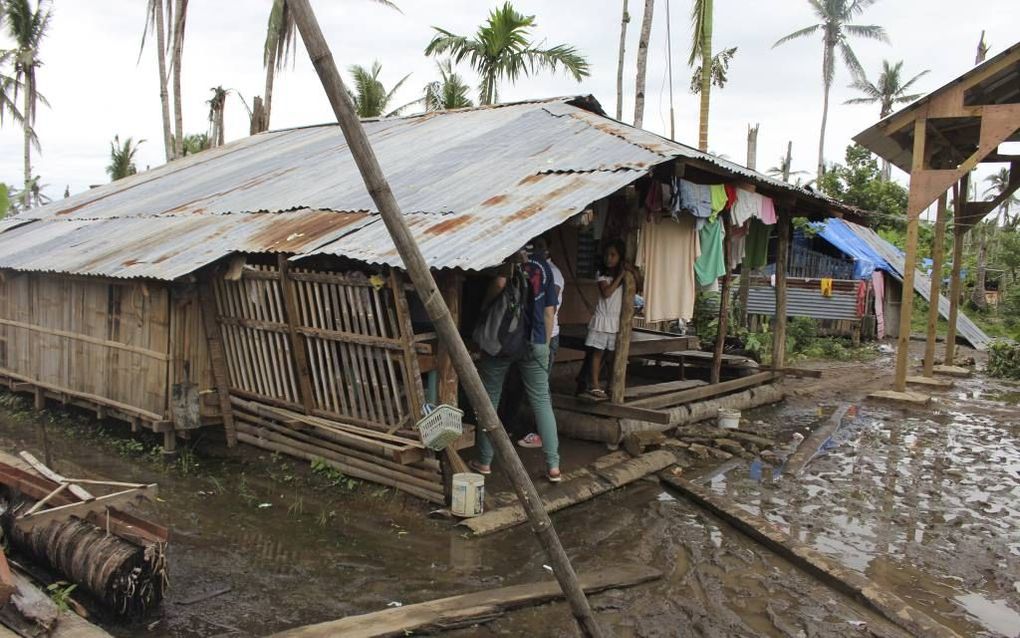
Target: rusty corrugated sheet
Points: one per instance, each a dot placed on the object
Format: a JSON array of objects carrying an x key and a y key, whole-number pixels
[
  {"x": 804, "y": 302},
  {"x": 476, "y": 184}
]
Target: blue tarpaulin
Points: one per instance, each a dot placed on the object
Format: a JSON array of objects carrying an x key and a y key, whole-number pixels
[{"x": 866, "y": 260}]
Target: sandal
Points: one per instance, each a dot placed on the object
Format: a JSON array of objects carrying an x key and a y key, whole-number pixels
[
  {"x": 554, "y": 475},
  {"x": 478, "y": 467},
  {"x": 598, "y": 394}
]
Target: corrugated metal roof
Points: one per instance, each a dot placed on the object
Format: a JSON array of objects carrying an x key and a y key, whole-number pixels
[
  {"x": 922, "y": 284},
  {"x": 475, "y": 184},
  {"x": 801, "y": 302}
]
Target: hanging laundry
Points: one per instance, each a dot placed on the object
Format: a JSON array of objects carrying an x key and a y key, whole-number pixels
[
  {"x": 731, "y": 196},
  {"x": 826, "y": 283},
  {"x": 862, "y": 297},
  {"x": 710, "y": 265},
  {"x": 666, "y": 255},
  {"x": 878, "y": 284},
  {"x": 695, "y": 198},
  {"x": 738, "y": 237},
  {"x": 719, "y": 198},
  {"x": 748, "y": 205},
  {"x": 653, "y": 198},
  {"x": 768, "y": 211},
  {"x": 756, "y": 247}
]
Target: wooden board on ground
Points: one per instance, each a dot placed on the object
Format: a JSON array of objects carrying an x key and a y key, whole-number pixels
[
  {"x": 702, "y": 392},
  {"x": 811, "y": 446},
  {"x": 952, "y": 371},
  {"x": 908, "y": 397},
  {"x": 930, "y": 382},
  {"x": 654, "y": 389},
  {"x": 467, "y": 609},
  {"x": 605, "y": 408}
]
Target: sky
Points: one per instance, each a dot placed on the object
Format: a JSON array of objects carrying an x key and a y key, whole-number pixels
[{"x": 98, "y": 87}]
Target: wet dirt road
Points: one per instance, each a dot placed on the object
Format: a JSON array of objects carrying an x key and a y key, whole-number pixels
[{"x": 924, "y": 505}]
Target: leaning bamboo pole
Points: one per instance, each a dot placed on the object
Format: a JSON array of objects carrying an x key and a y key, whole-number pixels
[{"x": 410, "y": 254}]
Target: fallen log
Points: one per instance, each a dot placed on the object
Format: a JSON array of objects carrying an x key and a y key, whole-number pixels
[
  {"x": 848, "y": 581},
  {"x": 467, "y": 609},
  {"x": 30, "y": 612},
  {"x": 569, "y": 493},
  {"x": 811, "y": 446}
]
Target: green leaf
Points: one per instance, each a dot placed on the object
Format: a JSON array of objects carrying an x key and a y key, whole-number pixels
[{"x": 5, "y": 200}]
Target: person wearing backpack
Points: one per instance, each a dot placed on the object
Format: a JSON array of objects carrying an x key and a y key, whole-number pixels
[{"x": 515, "y": 330}]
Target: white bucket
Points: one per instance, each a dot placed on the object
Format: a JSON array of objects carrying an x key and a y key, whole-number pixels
[
  {"x": 468, "y": 494},
  {"x": 729, "y": 419}
]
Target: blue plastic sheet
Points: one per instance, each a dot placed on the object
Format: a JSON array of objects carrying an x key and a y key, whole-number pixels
[{"x": 866, "y": 260}]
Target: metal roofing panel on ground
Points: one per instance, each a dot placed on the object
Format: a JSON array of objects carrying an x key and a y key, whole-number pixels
[
  {"x": 922, "y": 284},
  {"x": 164, "y": 247}
]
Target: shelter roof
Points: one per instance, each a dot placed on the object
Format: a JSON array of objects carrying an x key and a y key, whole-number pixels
[{"x": 475, "y": 185}]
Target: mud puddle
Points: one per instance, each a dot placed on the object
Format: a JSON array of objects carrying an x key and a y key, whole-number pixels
[
  {"x": 923, "y": 503},
  {"x": 294, "y": 548}
]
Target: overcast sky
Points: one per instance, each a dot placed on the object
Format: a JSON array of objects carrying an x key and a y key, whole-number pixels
[{"x": 97, "y": 87}]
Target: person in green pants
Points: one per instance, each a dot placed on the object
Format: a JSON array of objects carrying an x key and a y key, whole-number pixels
[{"x": 533, "y": 365}]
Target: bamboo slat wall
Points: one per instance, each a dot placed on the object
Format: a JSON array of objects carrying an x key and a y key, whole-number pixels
[
  {"x": 357, "y": 348},
  {"x": 105, "y": 341}
]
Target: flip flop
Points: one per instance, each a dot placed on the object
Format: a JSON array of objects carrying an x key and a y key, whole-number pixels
[
  {"x": 477, "y": 467},
  {"x": 554, "y": 478}
]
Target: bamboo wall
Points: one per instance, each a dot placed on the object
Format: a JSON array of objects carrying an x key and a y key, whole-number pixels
[{"x": 100, "y": 340}]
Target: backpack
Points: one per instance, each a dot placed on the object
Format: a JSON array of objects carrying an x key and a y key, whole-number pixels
[{"x": 504, "y": 328}]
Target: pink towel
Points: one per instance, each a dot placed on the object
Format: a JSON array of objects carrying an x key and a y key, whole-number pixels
[{"x": 768, "y": 211}]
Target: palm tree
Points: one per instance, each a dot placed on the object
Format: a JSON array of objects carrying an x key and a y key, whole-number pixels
[
  {"x": 177, "y": 36},
  {"x": 502, "y": 50},
  {"x": 216, "y": 110},
  {"x": 619, "y": 65},
  {"x": 783, "y": 169},
  {"x": 195, "y": 143},
  {"x": 27, "y": 27},
  {"x": 998, "y": 184},
  {"x": 5, "y": 200},
  {"x": 155, "y": 22},
  {"x": 836, "y": 27},
  {"x": 277, "y": 51},
  {"x": 701, "y": 48},
  {"x": 889, "y": 91},
  {"x": 369, "y": 95},
  {"x": 122, "y": 158},
  {"x": 449, "y": 92},
  {"x": 642, "y": 63}
]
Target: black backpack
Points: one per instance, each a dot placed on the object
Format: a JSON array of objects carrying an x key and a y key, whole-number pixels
[{"x": 505, "y": 327}]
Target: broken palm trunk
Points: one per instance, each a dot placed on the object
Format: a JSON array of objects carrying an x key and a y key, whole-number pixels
[{"x": 118, "y": 558}]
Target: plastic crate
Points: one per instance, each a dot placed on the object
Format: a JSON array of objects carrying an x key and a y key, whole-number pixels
[{"x": 440, "y": 426}]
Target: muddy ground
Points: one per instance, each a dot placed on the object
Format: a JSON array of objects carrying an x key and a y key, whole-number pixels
[{"x": 922, "y": 501}]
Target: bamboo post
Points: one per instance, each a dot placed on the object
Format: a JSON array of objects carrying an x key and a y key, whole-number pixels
[
  {"x": 959, "y": 230},
  {"x": 724, "y": 305},
  {"x": 907, "y": 304},
  {"x": 938, "y": 251},
  {"x": 218, "y": 364},
  {"x": 782, "y": 256},
  {"x": 415, "y": 390},
  {"x": 418, "y": 269},
  {"x": 448, "y": 384},
  {"x": 298, "y": 347},
  {"x": 618, "y": 383}
]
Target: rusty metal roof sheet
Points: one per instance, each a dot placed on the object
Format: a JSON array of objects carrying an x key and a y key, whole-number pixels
[{"x": 475, "y": 184}]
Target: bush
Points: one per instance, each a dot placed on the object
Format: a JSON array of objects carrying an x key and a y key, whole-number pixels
[{"x": 1004, "y": 359}]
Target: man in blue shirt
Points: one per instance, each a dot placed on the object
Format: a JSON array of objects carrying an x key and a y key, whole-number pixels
[{"x": 533, "y": 365}]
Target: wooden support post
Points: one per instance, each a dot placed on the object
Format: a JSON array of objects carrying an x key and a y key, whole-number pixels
[
  {"x": 452, "y": 283},
  {"x": 415, "y": 389},
  {"x": 959, "y": 231},
  {"x": 938, "y": 252},
  {"x": 298, "y": 347},
  {"x": 40, "y": 398},
  {"x": 217, "y": 362},
  {"x": 170, "y": 442},
  {"x": 618, "y": 383},
  {"x": 914, "y": 209},
  {"x": 382, "y": 195},
  {"x": 724, "y": 306},
  {"x": 779, "y": 323}
]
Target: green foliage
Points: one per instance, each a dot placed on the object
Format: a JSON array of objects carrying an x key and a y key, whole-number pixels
[
  {"x": 196, "y": 142},
  {"x": 369, "y": 95},
  {"x": 720, "y": 67},
  {"x": 502, "y": 49},
  {"x": 706, "y": 316},
  {"x": 332, "y": 476},
  {"x": 859, "y": 183},
  {"x": 450, "y": 92},
  {"x": 60, "y": 592},
  {"x": 1004, "y": 359},
  {"x": 122, "y": 158}
]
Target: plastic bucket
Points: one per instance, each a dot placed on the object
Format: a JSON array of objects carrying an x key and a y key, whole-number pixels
[
  {"x": 468, "y": 494},
  {"x": 729, "y": 419}
]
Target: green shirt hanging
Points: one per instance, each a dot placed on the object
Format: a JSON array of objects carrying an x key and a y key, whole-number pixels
[{"x": 710, "y": 265}]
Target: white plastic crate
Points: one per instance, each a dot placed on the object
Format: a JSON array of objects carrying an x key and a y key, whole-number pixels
[{"x": 441, "y": 426}]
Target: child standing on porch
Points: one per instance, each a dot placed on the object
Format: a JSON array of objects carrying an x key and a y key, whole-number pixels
[{"x": 605, "y": 323}]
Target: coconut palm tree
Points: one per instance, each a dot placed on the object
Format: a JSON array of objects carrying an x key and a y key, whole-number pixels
[
  {"x": 278, "y": 49},
  {"x": 642, "y": 63},
  {"x": 998, "y": 184},
  {"x": 835, "y": 24},
  {"x": 179, "y": 21},
  {"x": 155, "y": 22},
  {"x": 195, "y": 143},
  {"x": 449, "y": 92},
  {"x": 701, "y": 49},
  {"x": 122, "y": 158},
  {"x": 27, "y": 26},
  {"x": 783, "y": 170},
  {"x": 501, "y": 49},
  {"x": 217, "y": 104},
  {"x": 889, "y": 91},
  {"x": 624, "y": 21},
  {"x": 369, "y": 95}
]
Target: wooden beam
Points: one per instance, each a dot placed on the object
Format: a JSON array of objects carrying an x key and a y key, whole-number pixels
[
  {"x": 82, "y": 509},
  {"x": 618, "y": 383},
  {"x": 913, "y": 214},
  {"x": 412, "y": 372},
  {"x": 703, "y": 392},
  {"x": 956, "y": 277},
  {"x": 298, "y": 346},
  {"x": 96, "y": 341},
  {"x": 467, "y": 609},
  {"x": 80, "y": 492},
  {"x": 782, "y": 257},
  {"x": 217, "y": 363},
  {"x": 938, "y": 252},
  {"x": 452, "y": 283},
  {"x": 606, "y": 408}
]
